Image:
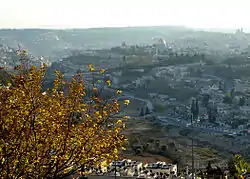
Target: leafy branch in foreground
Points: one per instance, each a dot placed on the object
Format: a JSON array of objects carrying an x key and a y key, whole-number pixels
[
  {"x": 54, "y": 133},
  {"x": 238, "y": 166}
]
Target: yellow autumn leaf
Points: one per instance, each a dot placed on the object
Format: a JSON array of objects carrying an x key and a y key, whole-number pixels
[
  {"x": 102, "y": 71},
  {"x": 118, "y": 92},
  {"x": 108, "y": 82},
  {"x": 54, "y": 125},
  {"x": 126, "y": 102}
]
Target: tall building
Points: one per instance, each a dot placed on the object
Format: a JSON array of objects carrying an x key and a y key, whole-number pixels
[{"x": 160, "y": 44}]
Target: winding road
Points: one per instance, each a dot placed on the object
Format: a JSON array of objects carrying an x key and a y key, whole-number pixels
[
  {"x": 173, "y": 120},
  {"x": 127, "y": 95}
]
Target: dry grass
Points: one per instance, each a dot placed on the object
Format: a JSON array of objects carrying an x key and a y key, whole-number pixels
[{"x": 147, "y": 129}]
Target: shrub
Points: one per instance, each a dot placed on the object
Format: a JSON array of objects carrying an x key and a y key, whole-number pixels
[{"x": 53, "y": 133}]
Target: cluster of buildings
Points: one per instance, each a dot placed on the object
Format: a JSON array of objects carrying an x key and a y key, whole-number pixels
[
  {"x": 126, "y": 168},
  {"x": 8, "y": 56},
  {"x": 231, "y": 107},
  {"x": 180, "y": 76},
  {"x": 229, "y": 114},
  {"x": 130, "y": 168},
  {"x": 198, "y": 42}
]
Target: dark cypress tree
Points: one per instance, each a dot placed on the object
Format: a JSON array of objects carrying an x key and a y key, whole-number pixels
[
  {"x": 242, "y": 101},
  {"x": 147, "y": 110},
  {"x": 193, "y": 107},
  {"x": 209, "y": 169},
  {"x": 212, "y": 113},
  {"x": 142, "y": 112},
  {"x": 209, "y": 112},
  {"x": 205, "y": 99},
  {"x": 232, "y": 93},
  {"x": 197, "y": 110}
]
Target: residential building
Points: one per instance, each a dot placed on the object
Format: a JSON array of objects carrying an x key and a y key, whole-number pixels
[{"x": 245, "y": 109}]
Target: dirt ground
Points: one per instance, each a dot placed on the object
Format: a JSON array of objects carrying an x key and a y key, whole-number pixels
[{"x": 203, "y": 152}]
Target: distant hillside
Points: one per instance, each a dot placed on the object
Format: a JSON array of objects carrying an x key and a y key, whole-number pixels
[
  {"x": 48, "y": 41},
  {"x": 57, "y": 44}
]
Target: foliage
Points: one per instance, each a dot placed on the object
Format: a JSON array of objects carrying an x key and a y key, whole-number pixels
[
  {"x": 5, "y": 78},
  {"x": 238, "y": 167},
  {"x": 227, "y": 99},
  {"x": 159, "y": 107},
  {"x": 195, "y": 108},
  {"x": 142, "y": 112},
  {"x": 142, "y": 144},
  {"x": 212, "y": 113},
  {"x": 147, "y": 111},
  {"x": 205, "y": 99},
  {"x": 208, "y": 152},
  {"x": 52, "y": 134},
  {"x": 215, "y": 173},
  {"x": 242, "y": 101}
]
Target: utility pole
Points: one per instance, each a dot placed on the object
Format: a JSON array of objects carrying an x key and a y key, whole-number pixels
[
  {"x": 115, "y": 169},
  {"x": 192, "y": 145},
  {"x": 115, "y": 164},
  {"x": 193, "y": 112}
]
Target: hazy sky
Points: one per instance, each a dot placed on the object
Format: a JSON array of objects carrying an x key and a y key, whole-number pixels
[{"x": 104, "y": 13}]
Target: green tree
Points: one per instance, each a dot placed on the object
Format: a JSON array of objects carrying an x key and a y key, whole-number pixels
[
  {"x": 222, "y": 86},
  {"x": 227, "y": 99},
  {"x": 193, "y": 107},
  {"x": 242, "y": 101},
  {"x": 147, "y": 110},
  {"x": 238, "y": 166},
  {"x": 142, "y": 112},
  {"x": 157, "y": 145},
  {"x": 212, "y": 114},
  {"x": 163, "y": 148},
  {"x": 197, "y": 110},
  {"x": 205, "y": 99},
  {"x": 215, "y": 173}
]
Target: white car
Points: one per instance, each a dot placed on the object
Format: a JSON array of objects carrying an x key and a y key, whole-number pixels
[{"x": 187, "y": 125}]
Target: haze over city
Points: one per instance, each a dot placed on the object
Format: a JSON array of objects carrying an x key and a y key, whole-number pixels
[
  {"x": 120, "y": 13},
  {"x": 108, "y": 89}
]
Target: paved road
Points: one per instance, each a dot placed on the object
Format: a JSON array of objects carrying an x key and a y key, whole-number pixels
[
  {"x": 200, "y": 127},
  {"x": 211, "y": 76},
  {"x": 127, "y": 95},
  {"x": 173, "y": 120}
]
